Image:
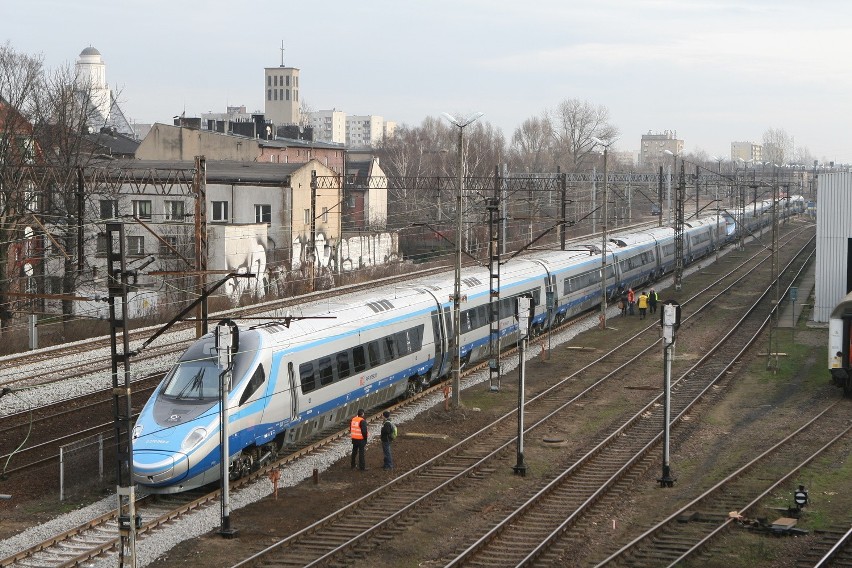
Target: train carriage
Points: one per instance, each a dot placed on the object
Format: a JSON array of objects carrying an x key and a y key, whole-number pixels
[{"x": 294, "y": 378}]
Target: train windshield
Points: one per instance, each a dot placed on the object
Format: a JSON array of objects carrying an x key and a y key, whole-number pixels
[{"x": 193, "y": 380}]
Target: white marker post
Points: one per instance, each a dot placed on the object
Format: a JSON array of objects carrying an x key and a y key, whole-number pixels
[
  {"x": 524, "y": 316},
  {"x": 227, "y": 342},
  {"x": 670, "y": 320}
]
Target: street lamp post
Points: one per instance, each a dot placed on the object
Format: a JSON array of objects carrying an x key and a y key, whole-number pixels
[
  {"x": 605, "y": 218},
  {"x": 460, "y": 123}
]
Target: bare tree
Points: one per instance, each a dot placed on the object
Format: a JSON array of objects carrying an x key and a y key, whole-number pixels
[
  {"x": 777, "y": 146},
  {"x": 531, "y": 146},
  {"x": 574, "y": 124},
  {"x": 803, "y": 156},
  {"x": 305, "y": 111},
  {"x": 20, "y": 83},
  {"x": 66, "y": 114}
]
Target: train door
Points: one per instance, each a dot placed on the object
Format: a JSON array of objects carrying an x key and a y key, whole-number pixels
[
  {"x": 449, "y": 340},
  {"x": 551, "y": 298},
  {"x": 442, "y": 334},
  {"x": 439, "y": 335},
  {"x": 294, "y": 398}
]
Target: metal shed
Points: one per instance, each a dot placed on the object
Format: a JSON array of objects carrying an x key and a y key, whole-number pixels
[{"x": 833, "y": 239}]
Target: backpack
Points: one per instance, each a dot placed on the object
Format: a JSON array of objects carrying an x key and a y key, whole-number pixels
[{"x": 393, "y": 432}]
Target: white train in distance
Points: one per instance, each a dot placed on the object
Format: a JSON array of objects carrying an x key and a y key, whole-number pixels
[{"x": 291, "y": 381}]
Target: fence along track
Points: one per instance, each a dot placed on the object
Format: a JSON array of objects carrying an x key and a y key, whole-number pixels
[
  {"x": 381, "y": 510},
  {"x": 562, "y": 501}
]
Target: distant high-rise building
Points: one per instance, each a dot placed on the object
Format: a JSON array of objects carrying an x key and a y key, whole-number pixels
[
  {"x": 746, "y": 152},
  {"x": 328, "y": 125},
  {"x": 364, "y": 130},
  {"x": 282, "y": 94},
  {"x": 654, "y": 147}
]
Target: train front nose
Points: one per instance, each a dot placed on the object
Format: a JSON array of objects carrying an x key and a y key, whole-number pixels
[{"x": 158, "y": 467}]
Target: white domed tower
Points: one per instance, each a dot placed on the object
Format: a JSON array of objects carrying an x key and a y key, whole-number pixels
[{"x": 91, "y": 75}]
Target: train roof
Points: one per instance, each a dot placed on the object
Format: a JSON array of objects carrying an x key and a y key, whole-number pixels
[{"x": 633, "y": 239}]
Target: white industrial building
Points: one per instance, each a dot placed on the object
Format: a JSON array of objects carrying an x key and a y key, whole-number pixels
[{"x": 833, "y": 239}]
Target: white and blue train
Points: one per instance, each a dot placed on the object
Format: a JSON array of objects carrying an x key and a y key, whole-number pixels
[
  {"x": 291, "y": 381},
  {"x": 758, "y": 214}
]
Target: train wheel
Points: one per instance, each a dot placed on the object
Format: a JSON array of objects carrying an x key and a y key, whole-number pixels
[{"x": 413, "y": 388}]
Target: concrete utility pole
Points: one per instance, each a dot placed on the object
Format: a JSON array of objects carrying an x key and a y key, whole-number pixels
[
  {"x": 460, "y": 123},
  {"x": 606, "y": 146}
]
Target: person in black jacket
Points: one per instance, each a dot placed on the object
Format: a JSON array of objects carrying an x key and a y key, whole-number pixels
[{"x": 387, "y": 437}]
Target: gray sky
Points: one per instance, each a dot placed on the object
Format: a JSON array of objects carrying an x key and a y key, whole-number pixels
[{"x": 714, "y": 71}]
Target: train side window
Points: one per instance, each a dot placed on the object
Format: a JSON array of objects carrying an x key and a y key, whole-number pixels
[
  {"x": 306, "y": 375},
  {"x": 257, "y": 379},
  {"x": 342, "y": 365},
  {"x": 466, "y": 320},
  {"x": 482, "y": 315},
  {"x": 390, "y": 348},
  {"x": 401, "y": 343},
  {"x": 506, "y": 308},
  {"x": 326, "y": 372},
  {"x": 359, "y": 358},
  {"x": 374, "y": 353},
  {"x": 416, "y": 335}
]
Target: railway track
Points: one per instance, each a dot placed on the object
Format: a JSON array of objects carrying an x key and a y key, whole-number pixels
[
  {"x": 439, "y": 470},
  {"x": 687, "y": 532},
  {"x": 542, "y": 521},
  {"x": 352, "y": 529},
  {"x": 833, "y": 548}
]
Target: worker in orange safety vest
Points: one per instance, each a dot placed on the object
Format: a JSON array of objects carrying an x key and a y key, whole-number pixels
[{"x": 358, "y": 432}]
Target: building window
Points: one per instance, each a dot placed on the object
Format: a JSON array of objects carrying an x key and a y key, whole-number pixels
[
  {"x": 109, "y": 208},
  {"x": 263, "y": 214},
  {"x": 288, "y": 94},
  {"x": 288, "y": 80},
  {"x": 168, "y": 246},
  {"x": 268, "y": 94},
  {"x": 135, "y": 246},
  {"x": 325, "y": 214},
  {"x": 220, "y": 211},
  {"x": 174, "y": 211},
  {"x": 269, "y": 80},
  {"x": 307, "y": 216},
  {"x": 142, "y": 209},
  {"x": 276, "y": 81},
  {"x": 275, "y": 94},
  {"x": 101, "y": 245}
]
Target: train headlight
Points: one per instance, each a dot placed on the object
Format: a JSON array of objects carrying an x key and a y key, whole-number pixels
[
  {"x": 137, "y": 431},
  {"x": 193, "y": 439}
]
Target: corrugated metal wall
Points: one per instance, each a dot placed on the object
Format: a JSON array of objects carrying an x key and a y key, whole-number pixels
[{"x": 833, "y": 231}]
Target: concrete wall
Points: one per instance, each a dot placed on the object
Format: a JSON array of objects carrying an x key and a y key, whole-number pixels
[
  {"x": 241, "y": 249},
  {"x": 166, "y": 142}
]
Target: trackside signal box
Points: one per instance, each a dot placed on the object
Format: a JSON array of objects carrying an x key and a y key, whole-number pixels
[{"x": 670, "y": 320}]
